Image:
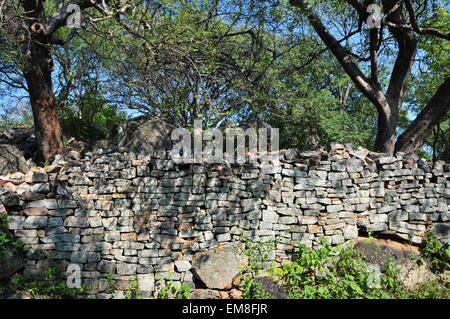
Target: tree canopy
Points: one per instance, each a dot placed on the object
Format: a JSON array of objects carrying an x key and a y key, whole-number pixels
[{"x": 318, "y": 70}]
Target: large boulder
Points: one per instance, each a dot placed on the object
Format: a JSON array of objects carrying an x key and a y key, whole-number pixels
[
  {"x": 441, "y": 231},
  {"x": 217, "y": 268},
  {"x": 204, "y": 294},
  {"x": 11, "y": 160},
  {"x": 378, "y": 252},
  {"x": 272, "y": 289},
  {"x": 145, "y": 135},
  {"x": 21, "y": 137}
]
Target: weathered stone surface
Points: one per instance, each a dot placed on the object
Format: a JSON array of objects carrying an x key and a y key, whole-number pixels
[
  {"x": 11, "y": 160},
  {"x": 204, "y": 294},
  {"x": 273, "y": 289},
  {"x": 126, "y": 269},
  {"x": 379, "y": 252},
  {"x": 74, "y": 221},
  {"x": 146, "y": 282},
  {"x": 22, "y": 295},
  {"x": 217, "y": 267},
  {"x": 182, "y": 265}
]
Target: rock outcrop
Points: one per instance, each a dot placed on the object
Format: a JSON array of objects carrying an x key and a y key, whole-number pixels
[
  {"x": 145, "y": 135},
  {"x": 379, "y": 252},
  {"x": 21, "y": 137},
  {"x": 11, "y": 160}
]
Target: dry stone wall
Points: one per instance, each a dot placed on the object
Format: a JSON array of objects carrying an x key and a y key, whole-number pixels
[{"x": 138, "y": 215}]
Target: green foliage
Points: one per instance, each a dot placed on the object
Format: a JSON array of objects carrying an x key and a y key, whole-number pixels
[
  {"x": 16, "y": 116},
  {"x": 172, "y": 291},
  {"x": 50, "y": 284},
  {"x": 3, "y": 241},
  {"x": 436, "y": 253},
  {"x": 111, "y": 280},
  {"x": 432, "y": 289},
  {"x": 334, "y": 273},
  {"x": 258, "y": 255},
  {"x": 91, "y": 119},
  {"x": 133, "y": 291},
  {"x": 17, "y": 244}
]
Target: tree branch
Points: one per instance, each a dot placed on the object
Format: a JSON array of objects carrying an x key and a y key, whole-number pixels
[
  {"x": 430, "y": 116},
  {"x": 59, "y": 19},
  {"x": 407, "y": 45},
  {"x": 418, "y": 29},
  {"x": 371, "y": 91}
]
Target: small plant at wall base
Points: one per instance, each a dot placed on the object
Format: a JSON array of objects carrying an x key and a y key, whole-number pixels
[
  {"x": 258, "y": 255},
  {"x": 172, "y": 291},
  {"x": 133, "y": 291},
  {"x": 50, "y": 284},
  {"x": 436, "y": 253},
  {"x": 5, "y": 240}
]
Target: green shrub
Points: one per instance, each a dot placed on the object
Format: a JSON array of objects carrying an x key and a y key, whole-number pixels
[
  {"x": 133, "y": 291},
  {"x": 50, "y": 284},
  {"x": 172, "y": 291},
  {"x": 5, "y": 240},
  {"x": 437, "y": 254},
  {"x": 92, "y": 118},
  {"x": 258, "y": 256},
  {"x": 433, "y": 289}
]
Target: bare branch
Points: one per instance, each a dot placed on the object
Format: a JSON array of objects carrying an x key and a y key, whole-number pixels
[
  {"x": 423, "y": 31},
  {"x": 371, "y": 91},
  {"x": 374, "y": 56}
]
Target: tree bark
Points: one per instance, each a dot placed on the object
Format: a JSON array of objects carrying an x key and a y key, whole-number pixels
[
  {"x": 386, "y": 128},
  {"x": 40, "y": 87},
  {"x": 435, "y": 110},
  {"x": 37, "y": 72}
]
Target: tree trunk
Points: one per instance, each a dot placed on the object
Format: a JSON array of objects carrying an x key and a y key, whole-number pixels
[
  {"x": 40, "y": 87},
  {"x": 385, "y": 140},
  {"x": 37, "y": 72},
  {"x": 436, "y": 109}
]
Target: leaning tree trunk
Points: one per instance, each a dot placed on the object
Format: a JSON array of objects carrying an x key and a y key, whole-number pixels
[
  {"x": 418, "y": 131},
  {"x": 47, "y": 128}
]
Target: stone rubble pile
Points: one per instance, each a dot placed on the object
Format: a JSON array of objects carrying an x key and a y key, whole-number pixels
[{"x": 116, "y": 212}]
